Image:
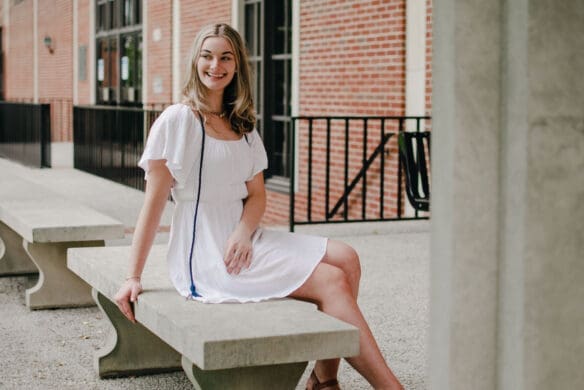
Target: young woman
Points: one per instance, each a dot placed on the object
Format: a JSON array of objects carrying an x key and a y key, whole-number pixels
[{"x": 208, "y": 154}]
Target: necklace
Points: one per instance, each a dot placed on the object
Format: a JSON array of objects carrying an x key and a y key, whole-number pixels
[{"x": 214, "y": 113}]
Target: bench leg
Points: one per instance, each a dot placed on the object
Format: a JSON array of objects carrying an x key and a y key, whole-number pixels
[
  {"x": 131, "y": 349},
  {"x": 13, "y": 258},
  {"x": 57, "y": 285},
  {"x": 278, "y": 376}
]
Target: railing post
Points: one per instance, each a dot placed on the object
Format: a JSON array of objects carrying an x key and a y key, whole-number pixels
[
  {"x": 382, "y": 173},
  {"x": 346, "y": 173},
  {"x": 399, "y": 174},
  {"x": 328, "y": 168},
  {"x": 309, "y": 199},
  {"x": 291, "y": 164}
]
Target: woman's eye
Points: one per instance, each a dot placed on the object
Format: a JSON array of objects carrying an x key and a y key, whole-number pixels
[{"x": 225, "y": 58}]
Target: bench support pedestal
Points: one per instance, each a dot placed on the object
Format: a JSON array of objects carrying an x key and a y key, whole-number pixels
[
  {"x": 131, "y": 349},
  {"x": 278, "y": 376},
  {"x": 57, "y": 285},
  {"x": 13, "y": 258}
]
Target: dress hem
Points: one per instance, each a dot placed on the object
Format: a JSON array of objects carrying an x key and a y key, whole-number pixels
[{"x": 266, "y": 298}]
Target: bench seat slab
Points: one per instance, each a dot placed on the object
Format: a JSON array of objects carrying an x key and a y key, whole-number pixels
[
  {"x": 13, "y": 258},
  {"x": 57, "y": 286},
  {"x": 277, "y": 376},
  {"x": 131, "y": 349}
]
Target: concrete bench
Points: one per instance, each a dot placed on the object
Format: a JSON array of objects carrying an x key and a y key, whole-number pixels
[
  {"x": 36, "y": 229},
  {"x": 256, "y": 346}
]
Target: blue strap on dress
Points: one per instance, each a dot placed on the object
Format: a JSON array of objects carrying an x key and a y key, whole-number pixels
[{"x": 194, "y": 292}]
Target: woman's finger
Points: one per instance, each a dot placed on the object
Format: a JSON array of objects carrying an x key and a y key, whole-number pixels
[{"x": 126, "y": 310}]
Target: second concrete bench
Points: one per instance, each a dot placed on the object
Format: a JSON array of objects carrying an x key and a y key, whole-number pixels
[{"x": 36, "y": 228}]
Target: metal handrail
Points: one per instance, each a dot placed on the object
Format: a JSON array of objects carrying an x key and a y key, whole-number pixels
[{"x": 321, "y": 131}]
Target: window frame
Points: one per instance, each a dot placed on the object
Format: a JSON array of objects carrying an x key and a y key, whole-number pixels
[
  {"x": 266, "y": 59},
  {"x": 111, "y": 27}
]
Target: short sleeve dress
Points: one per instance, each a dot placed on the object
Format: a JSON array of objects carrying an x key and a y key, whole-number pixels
[{"x": 281, "y": 261}]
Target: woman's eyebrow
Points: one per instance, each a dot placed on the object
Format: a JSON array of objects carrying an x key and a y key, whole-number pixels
[{"x": 209, "y": 51}]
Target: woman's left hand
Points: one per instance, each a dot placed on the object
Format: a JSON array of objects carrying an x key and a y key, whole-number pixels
[{"x": 238, "y": 252}]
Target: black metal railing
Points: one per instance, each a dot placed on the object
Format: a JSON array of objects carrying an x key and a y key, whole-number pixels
[
  {"x": 350, "y": 169},
  {"x": 108, "y": 141},
  {"x": 25, "y": 133}
]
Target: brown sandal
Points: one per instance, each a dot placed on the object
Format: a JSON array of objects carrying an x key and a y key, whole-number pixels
[{"x": 318, "y": 386}]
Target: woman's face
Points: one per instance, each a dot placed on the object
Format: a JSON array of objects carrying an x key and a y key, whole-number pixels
[{"x": 216, "y": 63}]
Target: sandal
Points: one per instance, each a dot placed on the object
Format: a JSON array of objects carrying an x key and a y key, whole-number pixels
[{"x": 318, "y": 386}]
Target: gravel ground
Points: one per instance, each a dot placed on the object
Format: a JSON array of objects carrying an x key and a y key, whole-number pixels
[{"x": 54, "y": 349}]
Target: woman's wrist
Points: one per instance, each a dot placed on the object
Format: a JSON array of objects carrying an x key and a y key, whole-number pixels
[{"x": 138, "y": 278}]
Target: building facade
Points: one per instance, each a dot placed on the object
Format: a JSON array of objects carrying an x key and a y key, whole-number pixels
[{"x": 367, "y": 58}]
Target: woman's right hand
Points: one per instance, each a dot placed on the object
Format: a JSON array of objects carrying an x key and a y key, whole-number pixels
[{"x": 126, "y": 295}]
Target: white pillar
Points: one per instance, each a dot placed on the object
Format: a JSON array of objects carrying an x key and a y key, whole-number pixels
[
  {"x": 507, "y": 217},
  {"x": 415, "y": 59}
]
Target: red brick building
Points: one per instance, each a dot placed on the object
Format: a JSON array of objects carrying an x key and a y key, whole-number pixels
[{"x": 310, "y": 57}]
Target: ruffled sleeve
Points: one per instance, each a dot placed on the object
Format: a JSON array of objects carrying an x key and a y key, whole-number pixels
[
  {"x": 259, "y": 156},
  {"x": 173, "y": 138}
]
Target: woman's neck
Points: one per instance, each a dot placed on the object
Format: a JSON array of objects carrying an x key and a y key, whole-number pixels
[{"x": 215, "y": 101}]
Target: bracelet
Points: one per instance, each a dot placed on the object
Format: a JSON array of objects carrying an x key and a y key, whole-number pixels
[{"x": 138, "y": 278}]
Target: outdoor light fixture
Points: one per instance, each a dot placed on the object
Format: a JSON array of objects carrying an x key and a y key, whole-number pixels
[{"x": 48, "y": 41}]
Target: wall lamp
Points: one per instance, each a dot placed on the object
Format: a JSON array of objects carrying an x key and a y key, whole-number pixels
[{"x": 48, "y": 41}]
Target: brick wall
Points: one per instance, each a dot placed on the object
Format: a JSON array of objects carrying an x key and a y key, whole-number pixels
[
  {"x": 84, "y": 93},
  {"x": 19, "y": 68},
  {"x": 159, "y": 51},
  {"x": 55, "y": 20},
  {"x": 352, "y": 62},
  {"x": 194, "y": 15}
]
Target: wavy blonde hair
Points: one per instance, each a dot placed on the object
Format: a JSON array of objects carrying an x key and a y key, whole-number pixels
[{"x": 237, "y": 97}]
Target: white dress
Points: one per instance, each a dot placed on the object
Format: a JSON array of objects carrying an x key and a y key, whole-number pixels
[{"x": 281, "y": 261}]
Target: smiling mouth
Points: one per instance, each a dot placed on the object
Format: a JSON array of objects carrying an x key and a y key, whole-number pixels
[{"x": 216, "y": 76}]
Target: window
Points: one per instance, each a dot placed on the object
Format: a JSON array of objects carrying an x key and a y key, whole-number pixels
[
  {"x": 268, "y": 34},
  {"x": 1, "y": 68},
  {"x": 119, "y": 52}
]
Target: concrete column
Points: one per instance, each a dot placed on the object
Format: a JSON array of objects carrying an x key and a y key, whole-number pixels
[{"x": 507, "y": 217}]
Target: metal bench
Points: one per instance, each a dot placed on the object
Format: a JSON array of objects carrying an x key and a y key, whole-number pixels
[{"x": 257, "y": 346}]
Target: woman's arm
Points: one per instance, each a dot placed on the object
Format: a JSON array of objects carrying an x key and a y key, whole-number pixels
[
  {"x": 157, "y": 190},
  {"x": 238, "y": 252}
]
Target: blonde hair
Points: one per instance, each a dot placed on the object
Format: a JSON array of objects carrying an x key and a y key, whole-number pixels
[{"x": 237, "y": 97}]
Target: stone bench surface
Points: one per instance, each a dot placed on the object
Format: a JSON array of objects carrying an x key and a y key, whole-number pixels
[
  {"x": 218, "y": 336},
  {"x": 52, "y": 219},
  {"x": 40, "y": 215}
]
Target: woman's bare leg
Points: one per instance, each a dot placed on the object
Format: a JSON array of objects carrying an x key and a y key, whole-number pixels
[
  {"x": 342, "y": 256},
  {"x": 330, "y": 288}
]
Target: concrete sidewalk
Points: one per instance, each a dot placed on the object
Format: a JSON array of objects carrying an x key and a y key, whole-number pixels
[{"x": 54, "y": 349}]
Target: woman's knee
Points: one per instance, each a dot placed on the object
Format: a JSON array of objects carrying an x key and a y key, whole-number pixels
[
  {"x": 345, "y": 257},
  {"x": 354, "y": 263}
]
